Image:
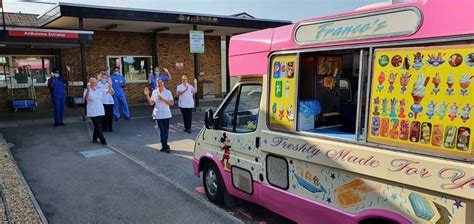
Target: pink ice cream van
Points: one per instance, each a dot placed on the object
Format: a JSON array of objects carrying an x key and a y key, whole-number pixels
[{"x": 361, "y": 117}]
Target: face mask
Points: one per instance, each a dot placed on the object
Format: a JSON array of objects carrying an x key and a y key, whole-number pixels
[
  {"x": 157, "y": 73},
  {"x": 103, "y": 81},
  {"x": 56, "y": 75},
  {"x": 116, "y": 73}
]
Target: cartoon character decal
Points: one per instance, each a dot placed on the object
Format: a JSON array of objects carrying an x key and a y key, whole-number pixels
[{"x": 226, "y": 148}]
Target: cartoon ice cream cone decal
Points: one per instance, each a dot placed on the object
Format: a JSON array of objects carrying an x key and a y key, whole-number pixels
[
  {"x": 436, "y": 81},
  {"x": 418, "y": 93},
  {"x": 450, "y": 83},
  {"x": 466, "y": 112},
  {"x": 381, "y": 79},
  {"x": 403, "y": 104},
  {"x": 464, "y": 83},
  {"x": 391, "y": 80},
  {"x": 453, "y": 111},
  {"x": 404, "y": 80}
]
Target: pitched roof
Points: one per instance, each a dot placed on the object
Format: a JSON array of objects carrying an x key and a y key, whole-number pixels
[{"x": 20, "y": 20}]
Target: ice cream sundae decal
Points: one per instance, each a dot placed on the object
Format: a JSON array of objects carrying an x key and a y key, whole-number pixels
[
  {"x": 436, "y": 81},
  {"x": 466, "y": 112},
  {"x": 391, "y": 81},
  {"x": 289, "y": 113},
  {"x": 404, "y": 80},
  {"x": 418, "y": 93},
  {"x": 385, "y": 106},
  {"x": 417, "y": 60},
  {"x": 403, "y": 104},
  {"x": 376, "y": 106},
  {"x": 464, "y": 83},
  {"x": 450, "y": 83},
  {"x": 443, "y": 107},
  {"x": 393, "y": 107},
  {"x": 436, "y": 60},
  {"x": 430, "y": 109},
  {"x": 381, "y": 79},
  {"x": 453, "y": 111}
]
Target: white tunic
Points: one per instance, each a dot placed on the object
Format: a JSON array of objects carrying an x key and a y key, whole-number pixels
[
  {"x": 161, "y": 109},
  {"x": 94, "y": 102},
  {"x": 107, "y": 99},
  {"x": 186, "y": 100}
]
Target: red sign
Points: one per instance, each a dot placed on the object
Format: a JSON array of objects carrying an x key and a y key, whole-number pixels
[{"x": 43, "y": 34}]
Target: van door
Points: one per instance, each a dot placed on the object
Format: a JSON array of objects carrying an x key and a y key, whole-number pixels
[{"x": 235, "y": 138}]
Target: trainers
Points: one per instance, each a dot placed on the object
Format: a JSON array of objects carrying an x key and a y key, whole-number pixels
[
  {"x": 168, "y": 150},
  {"x": 163, "y": 150}
]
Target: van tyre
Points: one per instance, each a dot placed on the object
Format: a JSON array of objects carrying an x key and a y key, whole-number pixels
[{"x": 213, "y": 184}]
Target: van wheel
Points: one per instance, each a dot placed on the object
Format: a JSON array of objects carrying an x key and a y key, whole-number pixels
[{"x": 213, "y": 184}]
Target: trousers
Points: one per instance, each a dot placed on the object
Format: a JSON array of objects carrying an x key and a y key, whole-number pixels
[{"x": 163, "y": 126}]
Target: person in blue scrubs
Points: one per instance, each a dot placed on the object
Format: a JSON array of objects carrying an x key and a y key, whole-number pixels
[
  {"x": 165, "y": 76},
  {"x": 118, "y": 82},
  {"x": 58, "y": 95}
]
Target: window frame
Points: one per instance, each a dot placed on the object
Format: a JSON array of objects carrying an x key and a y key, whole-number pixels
[
  {"x": 219, "y": 114},
  {"x": 120, "y": 57}
]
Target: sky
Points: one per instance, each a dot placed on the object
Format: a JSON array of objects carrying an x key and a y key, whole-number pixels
[{"x": 292, "y": 10}]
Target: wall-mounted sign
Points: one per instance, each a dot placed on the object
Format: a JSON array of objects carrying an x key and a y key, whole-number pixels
[
  {"x": 40, "y": 34},
  {"x": 388, "y": 23},
  {"x": 196, "y": 41},
  {"x": 179, "y": 66},
  {"x": 197, "y": 19}
]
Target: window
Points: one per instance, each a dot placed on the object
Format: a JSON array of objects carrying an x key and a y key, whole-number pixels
[
  {"x": 328, "y": 103},
  {"x": 246, "y": 100},
  {"x": 17, "y": 71},
  {"x": 132, "y": 67}
]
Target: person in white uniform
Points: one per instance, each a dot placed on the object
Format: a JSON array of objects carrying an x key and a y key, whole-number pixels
[
  {"x": 95, "y": 110},
  {"x": 162, "y": 99},
  {"x": 107, "y": 101},
  {"x": 186, "y": 101}
]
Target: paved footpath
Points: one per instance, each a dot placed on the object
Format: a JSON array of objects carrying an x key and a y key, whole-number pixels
[{"x": 71, "y": 188}]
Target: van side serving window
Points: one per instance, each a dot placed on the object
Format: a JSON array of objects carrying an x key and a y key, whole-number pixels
[
  {"x": 240, "y": 112},
  {"x": 328, "y": 100}
]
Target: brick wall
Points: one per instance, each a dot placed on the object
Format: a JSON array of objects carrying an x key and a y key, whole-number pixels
[{"x": 171, "y": 49}]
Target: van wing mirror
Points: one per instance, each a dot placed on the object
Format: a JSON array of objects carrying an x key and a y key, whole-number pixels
[{"x": 209, "y": 119}]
